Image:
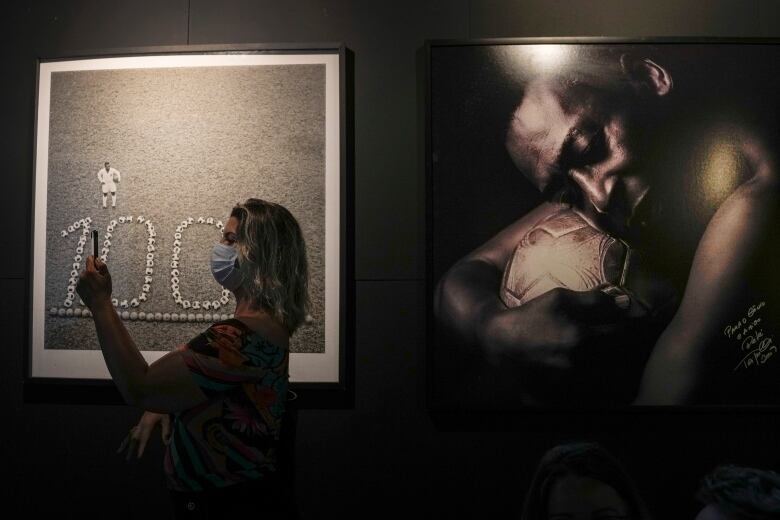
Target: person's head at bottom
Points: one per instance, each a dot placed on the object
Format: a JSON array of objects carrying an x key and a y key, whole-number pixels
[
  {"x": 261, "y": 259},
  {"x": 739, "y": 493},
  {"x": 582, "y": 481}
]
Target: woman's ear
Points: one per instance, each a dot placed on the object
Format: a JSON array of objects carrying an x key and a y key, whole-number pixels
[{"x": 645, "y": 74}]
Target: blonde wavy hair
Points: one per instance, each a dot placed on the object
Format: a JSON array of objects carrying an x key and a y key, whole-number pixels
[{"x": 272, "y": 259}]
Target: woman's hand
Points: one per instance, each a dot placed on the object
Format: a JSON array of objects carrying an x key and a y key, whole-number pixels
[
  {"x": 94, "y": 285},
  {"x": 139, "y": 435}
]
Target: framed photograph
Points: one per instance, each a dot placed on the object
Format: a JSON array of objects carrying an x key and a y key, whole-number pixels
[
  {"x": 601, "y": 219},
  {"x": 152, "y": 148}
]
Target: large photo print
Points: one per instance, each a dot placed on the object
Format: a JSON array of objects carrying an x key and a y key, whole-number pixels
[
  {"x": 603, "y": 224},
  {"x": 153, "y": 152}
]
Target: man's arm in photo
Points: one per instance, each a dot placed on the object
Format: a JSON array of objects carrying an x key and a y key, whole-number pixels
[{"x": 676, "y": 372}]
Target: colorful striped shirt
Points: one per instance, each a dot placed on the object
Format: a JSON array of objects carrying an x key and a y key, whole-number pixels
[{"x": 231, "y": 437}]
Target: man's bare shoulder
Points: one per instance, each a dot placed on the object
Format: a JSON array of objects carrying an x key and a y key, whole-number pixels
[
  {"x": 755, "y": 200},
  {"x": 736, "y": 235}
]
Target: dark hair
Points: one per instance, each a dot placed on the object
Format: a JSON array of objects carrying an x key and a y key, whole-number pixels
[
  {"x": 583, "y": 459},
  {"x": 746, "y": 493},
  {"x": 272, "y": 258}
]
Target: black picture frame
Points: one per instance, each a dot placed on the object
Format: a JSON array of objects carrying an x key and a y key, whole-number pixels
[
  {"x": 338, "y": 390},
  {"x": 470, "y": 97}
]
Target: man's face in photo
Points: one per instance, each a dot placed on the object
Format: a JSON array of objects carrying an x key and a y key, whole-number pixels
[{"x": 568, "y": 132}]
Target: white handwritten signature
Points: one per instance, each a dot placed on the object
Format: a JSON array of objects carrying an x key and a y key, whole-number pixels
[
  {"x": 759, "y": 355},
  {"x": 758, "y": 347}
]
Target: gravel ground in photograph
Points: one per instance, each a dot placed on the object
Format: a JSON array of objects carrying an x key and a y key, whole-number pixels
[{"x": 187, "y": 143}]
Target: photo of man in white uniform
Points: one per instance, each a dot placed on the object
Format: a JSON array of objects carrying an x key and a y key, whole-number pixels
[{"x": 108, "y": 178}]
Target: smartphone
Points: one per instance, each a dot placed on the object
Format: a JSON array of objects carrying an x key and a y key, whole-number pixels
[{"x": 95, "y": 243}]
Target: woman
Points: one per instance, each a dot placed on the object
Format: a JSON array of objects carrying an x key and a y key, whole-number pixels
[
  {"x": 582, "y": 481},
  {"x": 225, "y": 390}
]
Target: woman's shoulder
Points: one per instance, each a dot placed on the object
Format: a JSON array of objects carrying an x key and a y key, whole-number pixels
[
  {"x": 249, "y": 332},
  {"x": 237, "y": 345}
]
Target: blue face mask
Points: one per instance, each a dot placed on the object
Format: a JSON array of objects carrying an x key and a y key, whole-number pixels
[{"x": 224, "y": 266}]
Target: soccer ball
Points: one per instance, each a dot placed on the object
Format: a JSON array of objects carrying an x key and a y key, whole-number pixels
[{"x": 562, "y": 250}]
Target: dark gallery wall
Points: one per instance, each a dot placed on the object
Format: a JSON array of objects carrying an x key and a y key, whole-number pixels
[{"x": 388, "y": 452}]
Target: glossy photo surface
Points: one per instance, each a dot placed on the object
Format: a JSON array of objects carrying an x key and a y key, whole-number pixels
[{"x": 602, "y": 224}]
